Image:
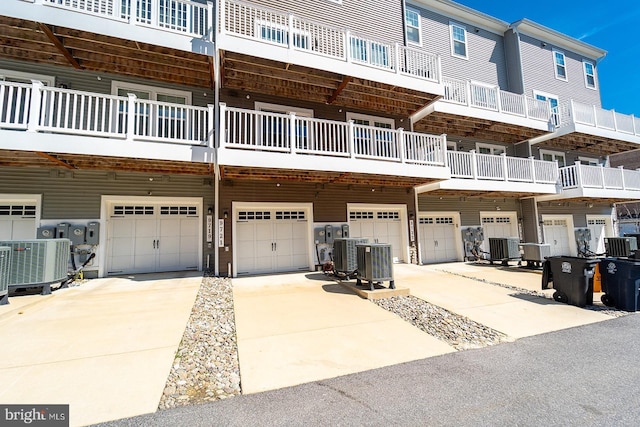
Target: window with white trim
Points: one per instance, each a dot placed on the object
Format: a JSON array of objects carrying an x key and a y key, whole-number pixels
[
  {"x": 412, "y": 26},
  {"x": 553, "y": 104},
  {"x": 482, "y": 148},
  {"x": 553, "y": 156},
  {"x": 22, "y": 77},
  {"x": 370, "y": 52},
  {"x": 275, "y": 128},
  {"x": 560, "y": 65},
  {"x": 458, "y": 40},
  {"x": 589, "y": 74},
  {"x": 588, "y": 161}
]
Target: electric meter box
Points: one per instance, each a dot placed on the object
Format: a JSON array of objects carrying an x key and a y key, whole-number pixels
[
  {"x": 62, "y": 230},
  {"x": 76, "y": 234},
  {"x": 92, "y": 235},
  {"x": 46, "y": 232}
]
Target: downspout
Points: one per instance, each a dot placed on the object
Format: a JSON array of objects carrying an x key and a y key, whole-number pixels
[{"x": 216, "y": 142}]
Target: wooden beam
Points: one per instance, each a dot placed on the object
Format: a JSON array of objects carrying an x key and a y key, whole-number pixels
[
  {"x": 212, "y": 73},
  {"x": 340, "y": 88},
  {"x": 56, "y": 160},
  {"x": 58, "y": 43}
]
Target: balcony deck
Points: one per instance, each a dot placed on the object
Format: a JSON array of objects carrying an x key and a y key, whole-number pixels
[
  {"x": 34, "y": 117},
  {"x": 598, "y": 182}
]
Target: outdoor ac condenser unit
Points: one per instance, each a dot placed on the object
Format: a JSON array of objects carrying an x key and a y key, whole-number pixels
[
  {"x": 5, "y": 260},
  {"x": 38, "y": 262},
  {"x": 504, "y": 248},
  {"x": 345, "y": 254},
  {"x": 375, "y": 263},
  {"x": 620, "y": 246}
]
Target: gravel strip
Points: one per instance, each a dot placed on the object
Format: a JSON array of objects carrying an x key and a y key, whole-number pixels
[
  {"x": 609, "y": 311},
  {"x": 458, "y": 331},
  {"x": 206, "y": 366}
]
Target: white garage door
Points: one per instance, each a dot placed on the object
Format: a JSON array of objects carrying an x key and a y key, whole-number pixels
[
  {"x": 556, "y": 233},
  {"x": 504, "y": 224},
  {"x": 438, "y": 239},
  {"x": 153, "y": 237},
  {"x": 379, "y": 226},
  {"x": 271, "y": 240},
  {"x": 17, "y": 221}
]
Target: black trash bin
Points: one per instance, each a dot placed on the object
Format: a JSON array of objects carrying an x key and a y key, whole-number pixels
[
  {"x": 572, "y": 278},
  {"x": 621, "y": 283}
]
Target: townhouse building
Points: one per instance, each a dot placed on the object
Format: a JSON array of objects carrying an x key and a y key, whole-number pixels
[{"x": 243, "y": 136}]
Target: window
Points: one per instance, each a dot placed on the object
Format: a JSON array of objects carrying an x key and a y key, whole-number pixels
[
  {"x": 275, "y": 127},
  {"x": 22, "y": 77},
  {"x": 372, "y": 142},
  {"x": 279, "y": 34},
  {"x": 553, "y": 156},
  {"x": 370, "y": 52},
  {"x": 495, "y": 150},
  {"x": 588, "y": 161},
  {"x": 165, "y": 120},
  {"x": 458, "y": 41},
  {"x": 560, "y": 66},
  {"x": 412, "y": 26},
  {"x": 553, "y": 104},
  {"x": 589, "y": 74}
]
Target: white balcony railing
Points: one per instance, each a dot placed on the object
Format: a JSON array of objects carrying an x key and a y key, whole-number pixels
[
  {"x": 586, "y": 176},
  {"x": 181, "y": 16},
  {"x": 487, "y": 97},
  {"x": 590, "y": 115},
  {"x": 39, "y": 108},
  {"x": 471, "y": 165},
  {"x": 249, "y": 21},
  {"x": 288, "y": 133}
]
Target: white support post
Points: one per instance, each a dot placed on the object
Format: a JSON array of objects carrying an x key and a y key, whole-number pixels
[
  {"x": 131, "y": 116},
  {"x": 211, "y": 31},
  {"x": 291, "y": 34},
  {"x": 397, "y": 58},
  {"x": 578, "y": 174},
  {"x": 211, "y": 124},
  {"x": 133, "y": 14},
  {"x": 633, "y": 124},
  {"x": 505, "y": 169},
  {"x": 526, "y": 106},
  {"x": 615, "y": 122},
  {"x": 498, "y": 100},
  {"x": 347, "y": 45},
  {"x": 35, "y": 103},
  {"x": 474, "y": 164},
  {"x": 439, "y": 68},
  {"x": 532, "y": 162},
  {"x": 468, "y": 89},
  {"x": 595, "y": 115},
  {"x": 621, "y": 168},
  {"x": 443, "y": 150},
  {"x": 155, "y": 14},
  {"x": 604, "y": 185},
  {"x": 222, "y": 10},
  {"x": 401, "y": 145},
  {"x": 293, "y": 137},
  {"x": 352, "y": 139}
]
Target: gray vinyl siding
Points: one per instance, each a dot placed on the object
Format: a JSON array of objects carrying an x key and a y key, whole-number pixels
[
  {"x": 95, "y": 82},
  {"x": 513, "y": 61},
  {"x": 530, "y": 227},
  {"x": 329, "y": 201},
  {"x": 238, "y": 99},
  {"x": 579, "y": 210},
  {"x": 73, "y": 195},
  {"x": 538, "y": 67},
  {"x": 469, "y": 207},
  {"x": 380, "y": 20},
  {"x": 485, "y": 50}
]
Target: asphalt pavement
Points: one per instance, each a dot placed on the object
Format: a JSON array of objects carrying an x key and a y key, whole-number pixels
[{"x": 582, "y": 376}]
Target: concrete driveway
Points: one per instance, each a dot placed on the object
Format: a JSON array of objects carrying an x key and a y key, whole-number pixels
[
  {"x": 105, "y": 347},
  {"x": 297, "y": 328}
]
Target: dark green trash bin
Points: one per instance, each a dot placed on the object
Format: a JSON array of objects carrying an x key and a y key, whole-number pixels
[
  {"x": 572, "y": 278},
  {"x": 621, "y": 283}
]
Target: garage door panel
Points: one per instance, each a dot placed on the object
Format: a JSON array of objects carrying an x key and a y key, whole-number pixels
[{"x": 438, "y": 239}]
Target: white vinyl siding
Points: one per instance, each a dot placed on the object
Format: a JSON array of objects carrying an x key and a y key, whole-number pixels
[{"x": 458, "y": 41}]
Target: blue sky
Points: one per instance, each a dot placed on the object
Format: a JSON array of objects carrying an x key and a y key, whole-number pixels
[{"x": 610, "y": 25}]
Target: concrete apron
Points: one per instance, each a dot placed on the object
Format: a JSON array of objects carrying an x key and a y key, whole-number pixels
[
  {"x": 105, "y": 347},
  {"x": 303, "y": 327}
]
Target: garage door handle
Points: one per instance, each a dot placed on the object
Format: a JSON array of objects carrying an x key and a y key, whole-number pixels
[
  {"x": 158, "y": 244},
  {"x": 154, "y": 244}
]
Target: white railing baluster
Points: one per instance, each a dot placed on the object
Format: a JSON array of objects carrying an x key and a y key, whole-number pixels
[{"x": 35, "y": 106}]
